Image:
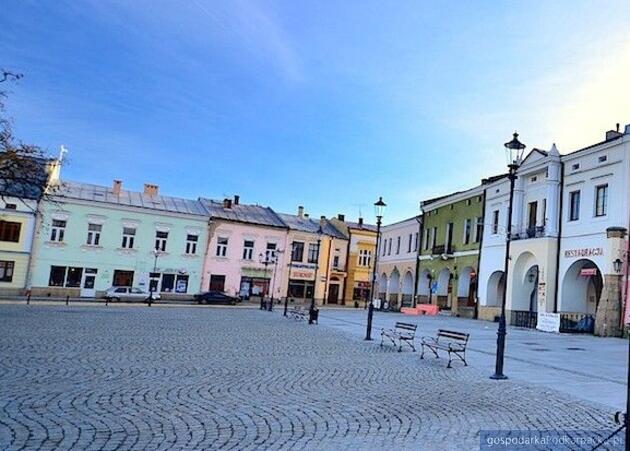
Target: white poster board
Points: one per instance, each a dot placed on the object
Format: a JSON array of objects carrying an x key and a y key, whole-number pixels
[{"x": 548, "y": 322}]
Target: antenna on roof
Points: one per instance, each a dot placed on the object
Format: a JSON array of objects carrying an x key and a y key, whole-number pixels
[
  {"x": 360, "y": 207},
  {"x": 62, "y": 152}
]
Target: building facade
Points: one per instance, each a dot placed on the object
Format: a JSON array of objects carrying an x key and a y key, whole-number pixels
[
  {"x": 360, "y": 262},
  {"x": 89, "y": 238},
  {"x": 569, "y": 226},
  {"x": 448, "y": 261},
  {"x": 317, "y": 263},
  {"x": 398, "y": 262},
  {"x": 241, "y": 238}
]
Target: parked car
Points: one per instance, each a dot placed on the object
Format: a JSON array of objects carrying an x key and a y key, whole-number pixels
[
  {"x": 129, "y": 293},
  {"x": 216, "y": 297}
]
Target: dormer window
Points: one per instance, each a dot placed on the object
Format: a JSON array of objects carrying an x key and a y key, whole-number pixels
[
  {"x": 533, "y": 179},
  {"x": 602, "y": 159},
  {"x": 575, "y": 167}
]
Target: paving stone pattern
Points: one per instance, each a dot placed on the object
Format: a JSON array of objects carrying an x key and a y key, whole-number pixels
[{"x": 219, "y": 378}]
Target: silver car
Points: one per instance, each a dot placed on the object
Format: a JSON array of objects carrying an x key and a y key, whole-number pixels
[{"x": 129, "y": 293}]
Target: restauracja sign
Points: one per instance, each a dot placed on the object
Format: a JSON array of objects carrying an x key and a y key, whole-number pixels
[{"x": 586, "y": 252}]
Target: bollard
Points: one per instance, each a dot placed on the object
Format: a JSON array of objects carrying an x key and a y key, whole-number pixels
[
  {"x": 28, "y": 299},
  {"x": 67, "y": 299},
  {"x": 106, "y": 301},
  {"x": 286, "y": 305},
  {"x": 262, "y": 303}
]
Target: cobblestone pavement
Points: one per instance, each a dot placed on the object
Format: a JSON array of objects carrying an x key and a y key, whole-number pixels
[{"x": 209, "y": 378}]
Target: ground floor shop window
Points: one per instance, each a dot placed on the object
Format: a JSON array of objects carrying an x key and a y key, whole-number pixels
[
  {"x": 253, "y": 286},
  {"x": 168, "y": 283},
  {"x": 6, "y": 271},
  {"x": 73, "y": 277},
  {"x": 360, "y": 294},
  {"x": 217, "y": 283},
  {"x": 57, "y": 276},
  {"x": 301, "y": 289},
  {"x": 181, "y": 285},
  {"x": 123, "y": 278}
]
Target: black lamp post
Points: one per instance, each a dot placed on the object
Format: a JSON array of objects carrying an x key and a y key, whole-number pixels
[
  {"x": 379, "y": 210},
  {"x": 274, "y": 258},
  {"x": 264, "y": 259},
  {"x": 311, "y": 313},
  {"x": 156, "y": 254},
  {"x": 514, "y": 154}
]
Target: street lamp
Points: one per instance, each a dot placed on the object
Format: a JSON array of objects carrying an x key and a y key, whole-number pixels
[
  {"x": 274, "y": 258},
  {"x": 264, "y": 259},
  {"x": 617, "y": 264},
  {"x": 514, "y": 153},
  {"x": 156, "y": 254},
  {"x": 311, "y": 313},
  {"x": 379, "y": 211}
]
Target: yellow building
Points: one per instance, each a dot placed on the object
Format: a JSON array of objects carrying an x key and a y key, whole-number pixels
[
  {"x": 361, "y": 248},
  {"x": 17, "y": 223}
]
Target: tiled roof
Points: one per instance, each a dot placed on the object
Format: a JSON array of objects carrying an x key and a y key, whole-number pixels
[
  {"x": 295, "y": 222},
  {"x": 103, "y": 194},
  {"x": 251, "y": 214}
]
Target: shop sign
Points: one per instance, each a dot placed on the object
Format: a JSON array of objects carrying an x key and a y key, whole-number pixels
[
  {"x": 587, "y": 272},
  {"x": 548, "y": 322},
  {"x": 586, "y": 252},
  {"x": 363, "y": 284},
  {"x": 302, "y": 272}
]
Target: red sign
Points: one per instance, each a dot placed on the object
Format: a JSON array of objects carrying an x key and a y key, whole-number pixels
[{"x": 587, "y": 272}]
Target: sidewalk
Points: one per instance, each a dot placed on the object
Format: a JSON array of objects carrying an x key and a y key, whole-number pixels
[{"x": 584, "y": 366}]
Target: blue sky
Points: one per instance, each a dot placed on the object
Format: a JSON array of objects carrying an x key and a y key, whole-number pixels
[{"x": 316, "y": 103}]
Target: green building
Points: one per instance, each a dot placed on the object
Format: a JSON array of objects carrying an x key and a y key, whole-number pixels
[{"x": 449, "y": 257}]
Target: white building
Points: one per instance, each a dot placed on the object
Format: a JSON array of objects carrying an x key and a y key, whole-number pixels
[
  {"x": 561, "y": 256},
  {"x": 397, "y": 261}
]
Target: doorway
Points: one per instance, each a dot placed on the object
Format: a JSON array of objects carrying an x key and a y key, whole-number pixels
[
  {"x": 333, "y": 293},
  {"x": 88, "y": 284}
]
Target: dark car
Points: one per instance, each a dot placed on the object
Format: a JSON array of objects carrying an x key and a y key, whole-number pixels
[{"x": 216, "y": 297}]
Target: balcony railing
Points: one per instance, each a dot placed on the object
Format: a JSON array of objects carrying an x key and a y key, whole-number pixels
[
  {"x": 577, "y": 323},
  {"x": 530, "y": 232},
  {"x": 442, "y": 249}
]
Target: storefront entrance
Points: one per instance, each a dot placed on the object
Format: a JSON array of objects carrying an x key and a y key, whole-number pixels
[{"x": 333, "y": 293}]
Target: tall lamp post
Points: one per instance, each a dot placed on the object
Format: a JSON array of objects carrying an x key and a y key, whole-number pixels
[
  {"x": 379, "y": 210},
  {"x": 156, "y": 254},
  {"x": 311, "y": 312},
  {"x": 264, "y": 259},
  {"x": 274, "y": 258},
  {"x": 514, "y": 154}
]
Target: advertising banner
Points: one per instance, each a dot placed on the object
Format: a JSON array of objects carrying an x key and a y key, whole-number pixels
[{"x": 548, "y": 322}]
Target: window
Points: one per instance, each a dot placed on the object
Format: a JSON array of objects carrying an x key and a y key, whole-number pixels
[
  {"x": 181, "y": 285},
  {"x": 6, "y": 271},
  {"x": 10, "y": 206},
  {"x": 434, "y": 237},
  {"x": 58, "y": 230},
  {"x": 602, "y": 159},
  {"x": 478, "y": 229},
  {"x": 532, "y": 214},
  {"x": 336, "y": 261},
  {"x": 10, "y": 231},
  {"x": 57, "y": 276},
  {"x": 94, "y": 234},
  {"x": 427, "y": 238},
  {"x": 365, "y": 257},
  {"x": 271, "y": 251},
  {"x": 129, "y": 234},
  {"x": 398, "y": 246},
  {"x": 544, "y": 213},
  {"x": 389, "y": 247},
  {"x": 467, "y": 230},
  {"x": 468, "y": 201},
  {"x": 160, "y": 240},
  {"x": 168, "y": 283},
  {"x": 248, "y": 249},
  {"x": 449, "y": 236},
  {"x": 301, "y": 289},
  {"x": 574, "y": 206},
  {"x": 409, "y": 244},
  {"x": 533, "y": 179},
  {"x": 191, "y": 244},
  {"x": 601, "y": 200},
  {"x": 297, "y": 253},
  {"x": 495, "y": 222},
  {"x": 222, "y": 244},
  {"x": 415, "y": 241},
  {"x": 384, "y": 246},
  {"x": 312, "y": 252},
  {"x": 575, "y": 166},
  {"x": 73, "y": 277}
]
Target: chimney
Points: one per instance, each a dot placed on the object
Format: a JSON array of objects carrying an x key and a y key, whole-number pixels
[
  {"x": 306, "y": 215},
  {"x": 360, "y": 221},
  {"x": 611, "y": 134},
  {"x": 117, "y": 187},
  {"x": 237, "y": 199},
  {"x": 227, "y": 203},
  {"x": 341, "y": 217},
  {"x": 150, "y": 189},
  {"x": 301, "y": 211}
]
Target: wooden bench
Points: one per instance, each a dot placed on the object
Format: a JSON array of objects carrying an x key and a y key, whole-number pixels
[
  {"x": 402, "y": 333},
  {"x": 447, "y": 340}
]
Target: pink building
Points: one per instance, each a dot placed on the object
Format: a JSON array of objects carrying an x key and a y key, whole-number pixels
[{"x": 241, "y": 238}]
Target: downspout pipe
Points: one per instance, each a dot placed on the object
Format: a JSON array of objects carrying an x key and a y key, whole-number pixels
[
  {"x": 560, "y": 216},
  {"x": 483, "y": 222},
  {"x": 419, "y": 218}
]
